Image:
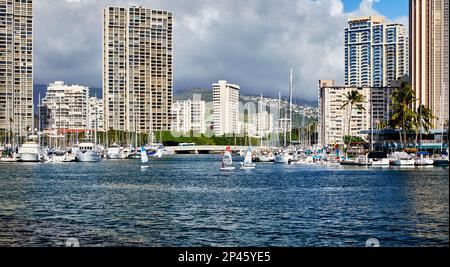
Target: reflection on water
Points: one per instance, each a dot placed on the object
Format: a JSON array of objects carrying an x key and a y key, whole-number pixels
[{"x": 187, "y": 201}]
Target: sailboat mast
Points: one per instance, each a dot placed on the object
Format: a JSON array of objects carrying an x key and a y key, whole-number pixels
[
  {"x": 442, "y": 114},
  {"x": 291, "y": 74},
  {"x": 39, "y": 121},
  {"x": 261, "y": 119},
  {"x": 96, "y": 125},
  {"x": 371, "y": 126}
]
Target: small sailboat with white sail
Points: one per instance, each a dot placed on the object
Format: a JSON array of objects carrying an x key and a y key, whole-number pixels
[
  {"x": 248, "y": 163},
  {"x": 144, "y": 159},
  {"x": 227, "y": 162},
  {"x": 159, "y": 152}
]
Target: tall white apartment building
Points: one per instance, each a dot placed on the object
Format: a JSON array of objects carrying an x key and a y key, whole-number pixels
[
  {"x": 189, "y": 115},
  {"x": 376, "y": 52},
  {"x": 16, "y": 68},
  {"x": 137, "y": 69},
  {"x": 334, "y": 120},
  {"x": 95, "y": 115},
  {"x": 181, "y": 113},
  {"x": 226, "y": 108},
  {"x": 198, "y": 115},
  {"x": 262, "y": 124},
  {"x": 65, "y": 108}
]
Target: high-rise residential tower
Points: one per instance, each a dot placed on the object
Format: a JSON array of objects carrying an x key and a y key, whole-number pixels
[
  {"x": 226, "y": 108},
  {"x": 333, "y": 119},
  {"x": 138, "y": 69},
  {"x": 429, "y": 26},
  {"x": 66, "y": 108},
  {"x": 181, "y": 114},
  {"x": 198, "y": 113},
  {"x": 376, "y": 52},
  {"x": 16, "y": 68}
]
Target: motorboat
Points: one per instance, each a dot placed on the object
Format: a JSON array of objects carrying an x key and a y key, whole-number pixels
[
  {"x": 87, "y": 152},
  {"x": 265, "y": 157},
  {"x": 360, "y": 161},
  {"x": 443, "y": 161},
  {"x": 401, "y": 159},
  {"x": 115, "y": 152},
  {"x": 30, "y": 152},
  {"x": 424, "y": 161},
  {"x": 283, "y": 157},
  {"x": 378, "y": 159}
]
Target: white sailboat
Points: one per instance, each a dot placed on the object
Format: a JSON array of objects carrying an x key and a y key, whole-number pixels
[
  {"x": 144, "y": 158},
  {"x": 248, "y": 164},
  {"x": 227, "y": 163},
  {"x": 159, "y": 153}
]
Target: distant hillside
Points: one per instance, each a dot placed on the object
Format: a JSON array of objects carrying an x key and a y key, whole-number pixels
[
  {"x": 207, "y": 94},
  {"x": 296, "y": 101}
]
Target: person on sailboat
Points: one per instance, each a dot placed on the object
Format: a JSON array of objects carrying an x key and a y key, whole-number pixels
[
  {"x": 227, "y": 162},
  {"x": 248, "y": 164}
]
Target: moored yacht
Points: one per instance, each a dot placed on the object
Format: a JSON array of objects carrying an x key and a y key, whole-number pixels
[
  {"x": 87, "y": 153},
  {"x": 424, "y": 161},
  {"x": 401, "y": 159},
  {"x": 115, "y": 152},
  {"x": 378, "y": 159},
  {"x": 283, "y": 157},
  {"x": 265, "y": 157},
  {"x": 30, "y": 152}
]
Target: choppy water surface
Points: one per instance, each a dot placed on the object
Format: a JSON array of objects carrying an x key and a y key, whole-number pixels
[{"x": 187, "y": 201}]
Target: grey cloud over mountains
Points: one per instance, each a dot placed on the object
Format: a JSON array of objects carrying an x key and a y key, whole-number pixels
[{"x": 249, "y": 42}]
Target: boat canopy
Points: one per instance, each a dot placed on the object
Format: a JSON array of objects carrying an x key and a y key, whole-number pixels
[{"x": 377, "y": 155}]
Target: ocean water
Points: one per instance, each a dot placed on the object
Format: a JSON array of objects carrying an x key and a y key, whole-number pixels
[{"x": 188, "y": 201}]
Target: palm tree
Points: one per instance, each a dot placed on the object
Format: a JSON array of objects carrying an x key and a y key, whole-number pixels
[
  {"x": 423, "y": 120},
  {"x": 402, "y": 113},
  {"x": 354, "y": 99}
]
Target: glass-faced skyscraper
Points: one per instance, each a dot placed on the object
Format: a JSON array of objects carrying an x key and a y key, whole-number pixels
[
  {"x": 16, "y": 69},
  {"x": 376, "y": 52},
  {"x": 137, "y": 69}
]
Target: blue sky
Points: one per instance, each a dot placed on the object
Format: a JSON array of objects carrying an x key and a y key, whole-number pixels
[{"x": 389, "y": 8}]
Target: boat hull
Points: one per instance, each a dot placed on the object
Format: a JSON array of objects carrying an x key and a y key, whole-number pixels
[
  {"x": 400, "y": 162},
  {"x": 88, "y": 156},
  {"x": 266, "y": 159},
  {"x": 114, "y": 156},
  {"x": 425, "y": 162},
  {"x": 353, "y": 163},
  {"x": 441, "y": 162},
  {"x": 29, "y": 157}
]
